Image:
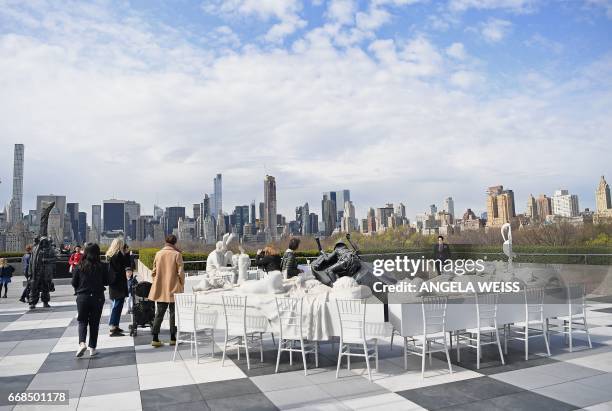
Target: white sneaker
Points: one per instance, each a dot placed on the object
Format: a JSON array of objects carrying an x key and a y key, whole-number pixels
[
  {"x": 81, "y": 350},
  {"x": 92, "y": 352}
]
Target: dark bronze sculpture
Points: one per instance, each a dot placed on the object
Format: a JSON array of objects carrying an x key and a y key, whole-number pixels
[{"x": 42, "y": 264}]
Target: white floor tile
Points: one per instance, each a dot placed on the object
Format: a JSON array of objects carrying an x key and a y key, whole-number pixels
[
  {"x": 125, "y": 401},
  {"x": 21, "y": 364}
]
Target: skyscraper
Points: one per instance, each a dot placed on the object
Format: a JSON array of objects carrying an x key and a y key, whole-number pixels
[
  {"x": 328, "y": 213},
  {"x": 132, "y": 213},
  {"x": 449, "y": 207},
  {"x": 602, "y": 198},
  {"x": 96, "y": 221},
  {"x": 532, "y": 207},
  {"x": 565, "y": 204},
  {"x": 172, "y": 217},
  {"x": 72, "y": 209},
  {"x": 306, "y": 225},
  {"x": 241, "y": 217},
  {"x": 252, "y": 214},
  {"x": 544, "y": 207},
  {"x": 218, "y": 195},
  {"x": 270, "y": 206},
  {"x": 82, "y": 224},
  {"x": 500, "y": 206},
  {"x": 15, "y": 206},
  {"x": 56, "y": 217},
  {"x": 114, "y": 215}
]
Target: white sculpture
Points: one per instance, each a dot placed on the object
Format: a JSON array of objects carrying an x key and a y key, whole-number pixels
[
  {"x": 244, "y": 262},
  {"x": 220, "y": 260},
  {"x": 507, "y": 246}
]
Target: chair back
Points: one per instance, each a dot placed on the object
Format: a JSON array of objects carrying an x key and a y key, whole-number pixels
[
  {"x": 234, "y": 310},
  {"x": 290, "y": 317},
  {"x": 351, "y": 313},
  {"x": 576, "y": 299},
  {"x": 434, "y": 314},
  {"x": 206, "y": 317},
  {"x": 534, "y": 304},
  {"x": 486, "y": 309},
  {"x": 184, "y": 307}
]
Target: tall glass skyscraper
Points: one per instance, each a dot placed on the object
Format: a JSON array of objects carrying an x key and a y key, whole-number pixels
[
  {"x": 218, "y": 195},
  {"x": 270, "y": 206},
  {"x": 15, "y": 208}
]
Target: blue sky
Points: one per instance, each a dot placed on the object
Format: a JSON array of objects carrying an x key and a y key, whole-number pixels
[{"x": 397, "y": 100}]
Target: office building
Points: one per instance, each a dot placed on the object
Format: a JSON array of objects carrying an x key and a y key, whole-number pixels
[
  {"x": 96, "y": 221},
  {"x": 217, "y": 196},
  {"x": 171, "y": 217},
  {"x": 449, "y": 207},
  {"x": 382, "y": 216},
  {"x": 82, "y": 224},
  {"x": 603, "y": 201},
  {"x": 500, "y": 206},
  {"x": 72, "y": 211},
  {"x": 132, "y": 212},
  {"x": 114, "y": 215},
  {"x": 252, "y": 215},
  {"x": 532, "y": 208},
  {"x": 565, "y": 204},
  {"x": 544, "y": 205},
  {"x": 314, "y": 223},
  {"x": 240, "y": 217},
  {"x": 15, "y": 214},
  {"x": 328, "y": 213},
  {"x": 270, "y": 206}
]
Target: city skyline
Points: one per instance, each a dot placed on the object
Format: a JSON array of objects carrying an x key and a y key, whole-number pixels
[{"x": 397, "y": 100}]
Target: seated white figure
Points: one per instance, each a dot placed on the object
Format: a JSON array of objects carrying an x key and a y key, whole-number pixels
[{"x": 220, "y": 261}]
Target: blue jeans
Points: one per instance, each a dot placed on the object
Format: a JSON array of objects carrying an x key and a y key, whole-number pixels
[{"x": 115, "y": 315}]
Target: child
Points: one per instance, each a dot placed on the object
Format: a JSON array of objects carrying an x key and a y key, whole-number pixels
[{"x": 6, "y": 272}]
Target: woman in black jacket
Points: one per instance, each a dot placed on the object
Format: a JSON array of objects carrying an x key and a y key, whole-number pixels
[
  {"x": 268, "y": 259},
  {"x": 120, "y": 266},
  {"x": 88, "y": 279}
]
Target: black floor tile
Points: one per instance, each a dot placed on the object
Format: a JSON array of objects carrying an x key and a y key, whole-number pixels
[
  {"x": 249, "y": 402},
  {"x": 439, "y": 396},
  {"x": 601, "y": 299},
  {"x": 604, "y": 310},
  {"x": 529, "y": 401},
  {"x": 14, "y": 384},
  {"x": 64, "y": 361},
  {"x": 269, "y": 364},
  {"x": 221, "y": 389},
  {"x": 9, "y": 318},
  {"x": 37, "y": 334},
  {"x": 161, "y": 398},
  {"x": 114, "y": 357}
]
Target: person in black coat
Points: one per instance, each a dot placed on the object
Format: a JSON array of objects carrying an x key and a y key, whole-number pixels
[
  {"x": 89, "y": 279},
  {"x": 120, "y": 266},
  {"x": 441, "y": 254},
  {"x": 268, "y": 259}
]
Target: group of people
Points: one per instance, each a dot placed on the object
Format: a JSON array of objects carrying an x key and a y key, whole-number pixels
[{"x": 91, "y": 276}]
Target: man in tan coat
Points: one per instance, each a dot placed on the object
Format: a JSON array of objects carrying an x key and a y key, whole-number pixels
[{"x": 168, "y": 279}]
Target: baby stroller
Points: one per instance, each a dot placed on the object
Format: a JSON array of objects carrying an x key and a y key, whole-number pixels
[{"x": 143, "y": 310}]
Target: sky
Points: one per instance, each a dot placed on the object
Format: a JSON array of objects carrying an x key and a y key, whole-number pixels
[{"x": 397, "y": 100}]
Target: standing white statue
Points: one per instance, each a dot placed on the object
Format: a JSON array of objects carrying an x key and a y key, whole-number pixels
[
  {"x": 244, "y": 262},
  {"x": 507, "y": 246}
]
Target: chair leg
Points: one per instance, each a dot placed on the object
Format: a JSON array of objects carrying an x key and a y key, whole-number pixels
[
  {"x": 571, "y": 342},
  {"x": 246, "y": 351},
  {"x": 367, "y": 360},
  {"x": 586, "y": 329},
  {"x": 348, "y": 357},
  {"x": 178, "y": 338},
  {"x": 450, "y": 367},
  {"x": 238, "y": 347},
  {"x": 273, "y": 342},
  {"x": 261, "y": 345},
  {"x": 290, "y": 352},
  {"x": 478, "y": 348},
  {"x": 316, "y": 348},
  {"x": 339, "y": 358},
  {"x": 392, "y": 335},
  {"x": 501, "y": 355},
  {"x": 545, "y": 332},
  {"x": 280, "y": 343},
  {"x": 457, "y": 348},
  {"x": 212, "y": 341},
  {"x": 506, "y": 333},
  {"x": 429, "y": 349},
  {"x": 423, "y": 356},
  {"x": 405, "y": 353},
  {"x": 195, "y": 340},
  {"x": 376, "y": 352},
  {"x": 224, "y": 349},
  {"x": 304, "y": 357},
  {"x": 527, "y": 341}
]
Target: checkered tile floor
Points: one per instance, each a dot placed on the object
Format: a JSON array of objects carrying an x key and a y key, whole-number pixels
[{"x": 37, "y": 353}]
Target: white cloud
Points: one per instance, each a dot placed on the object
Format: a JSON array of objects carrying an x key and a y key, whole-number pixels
[
  {"x": 520, "y": 6},
  {"x": 457, "y": 51},
  {"x": 342, "y": 11},
  {"x": 605, "y": 4},
  {"x": 286, "y": 12},
  {"x": 466, "y": 79},
  {"x": 495, "y": 30},
  {"x": 537, "y": 40}
]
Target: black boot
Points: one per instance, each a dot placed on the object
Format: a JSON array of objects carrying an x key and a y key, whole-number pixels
[
  {"x": 32, "y": 306},
  {"x": 46, "y": 305}
]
